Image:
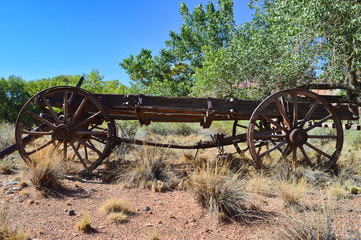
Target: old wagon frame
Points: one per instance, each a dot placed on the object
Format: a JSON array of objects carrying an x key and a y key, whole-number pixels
[{"x": 79, "y": 126}]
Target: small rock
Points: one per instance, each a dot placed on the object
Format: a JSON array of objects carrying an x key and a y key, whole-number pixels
[
  {"x": 30, "y": 202},
  {"x": 93, "y": 190},
  {"x": 172, "y": 216},
  {"x": 6, "y": 183},
  {"x": 149, "y": 225},
  {"x": 17, "y": 197},
  {"x": 9, "y": 192},
  {"x": 349, "y": 210},
  {"x": 71, "y": 212},
  {"x": 146, "y": 208}
]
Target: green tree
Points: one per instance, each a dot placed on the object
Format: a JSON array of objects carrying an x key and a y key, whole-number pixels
[
  {"x": 171, "y": 72},
  {"x": 12, "y": 96},
  {"x": 290, "y": 43}
]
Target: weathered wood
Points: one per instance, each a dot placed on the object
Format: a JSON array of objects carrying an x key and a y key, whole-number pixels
[{"x": 148, "y": 109}]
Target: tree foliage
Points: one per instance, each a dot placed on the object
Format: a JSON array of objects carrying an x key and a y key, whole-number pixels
[
  {"x": 171, "y": 71},
  {"x": 12, "y": 97},
  {"x": 288, "y": 43}
]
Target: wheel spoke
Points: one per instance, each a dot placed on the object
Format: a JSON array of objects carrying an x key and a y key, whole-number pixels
[
  {"x": 283, "y": 113},
  {"x": 268, "y": 136},
  {"x": 295, "y": 110},
  {"x": 238, "y": 125},
  {"x": 318, "y": 150},
  {"x": 89, "y": 146},
  {"x": 41, "y": 147},
  {"x": 52, "y": 112},
  {"x": 88, "y": 119},
  {"x": 294, "y": 151},
  {"x": 36, "y": 133},
  {"x": 273, "y": 122},
  {"x": 322, "y": 136},
  {"x": 65, "y": 151},
  {"x": 77, "y": 148},
  {"x": 309, "y": 113},
  {"x": 41, "y": 119},
  {"x": 90, "y": 133},
  {"x": 80, "y": 108},
  {"x": 272, "y": 149},
  {"x": 78, "y": 155},
  {"x": 86, "y": 154},
  {"x": 306, "y": 156},
  {"x": 65, "y": 107},
  {"x": 98, "y": 140},
  {"x": 318, "y": 123}
]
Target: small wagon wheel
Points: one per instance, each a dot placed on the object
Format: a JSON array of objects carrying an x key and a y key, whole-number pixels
[
  {"x": 290, "y": 131},
  {"x": 65, "y": 122}
]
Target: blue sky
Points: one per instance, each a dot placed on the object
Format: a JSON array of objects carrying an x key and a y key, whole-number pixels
[{"x": 41, "y": 39}]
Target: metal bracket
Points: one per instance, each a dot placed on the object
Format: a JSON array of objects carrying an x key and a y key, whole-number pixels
[
  {"x": 210, "y": 114},
  {"x": 139, "y": 111}
]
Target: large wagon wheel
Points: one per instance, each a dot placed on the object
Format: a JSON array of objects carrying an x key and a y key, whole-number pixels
[
  {"x": 64, "y": 122},
  {"x": 290, "y": 131}
]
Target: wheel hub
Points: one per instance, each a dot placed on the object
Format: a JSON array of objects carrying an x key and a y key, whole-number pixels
[
  {"x": 298, "y": 136},
  {"x": 63, "y": 132}
]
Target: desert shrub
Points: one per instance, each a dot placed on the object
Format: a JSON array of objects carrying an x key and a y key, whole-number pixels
[
  {"x": 116, "y": 209},
  {"x": 84, "y": 225},
  {"x": 309, "y": 225},
  {"x": 6, "y": 232},
  {"x": 149, "y": 167},
  {"x": 291, "y": 191},
  {"x": 220, "y": 192},
  {"x": 46, "y": 171},
  {"x": 164, "y": 129}
]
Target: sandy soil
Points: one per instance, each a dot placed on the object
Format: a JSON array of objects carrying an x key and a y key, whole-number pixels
[{"x": 174, "y": 214}]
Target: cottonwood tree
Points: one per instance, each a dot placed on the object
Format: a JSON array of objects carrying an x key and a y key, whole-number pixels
[
  {"x": 171, "y": 71},
  {"x": 287, "y": 44}
]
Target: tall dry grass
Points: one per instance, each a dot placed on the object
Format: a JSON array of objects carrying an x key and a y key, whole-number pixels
[
  {"x": 220, "y": 192},
  {"x": 46, "y": 170}
]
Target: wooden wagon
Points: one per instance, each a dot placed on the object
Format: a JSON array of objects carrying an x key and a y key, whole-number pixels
[{"x": 79, "y": 126}]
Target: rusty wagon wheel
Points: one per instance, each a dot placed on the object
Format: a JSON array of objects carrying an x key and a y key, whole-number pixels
[
  {"x": 292, "y": 118},
  {"x": 65, "y": 122}
]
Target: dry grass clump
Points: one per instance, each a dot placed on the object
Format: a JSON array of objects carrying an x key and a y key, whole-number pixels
[
  {"x": 220, "y": 192},
  {"x": 291, "y": 191},
  {"x": 260, "y": 184},
  {"x": 84, "y": 225},
  {"x": 154, "y": 235},
  {"x": 6, "y": 232},
  {"x": 309, "y": 225},
  {"x": 116, "y": 209},
  {"x": 46, "y": 171},
  {"x": 7, "y": 166},
  {"x": 338, "y": 191},
  {"x": 6, "y": 135},
  {"x": 149, "y": 168}
]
